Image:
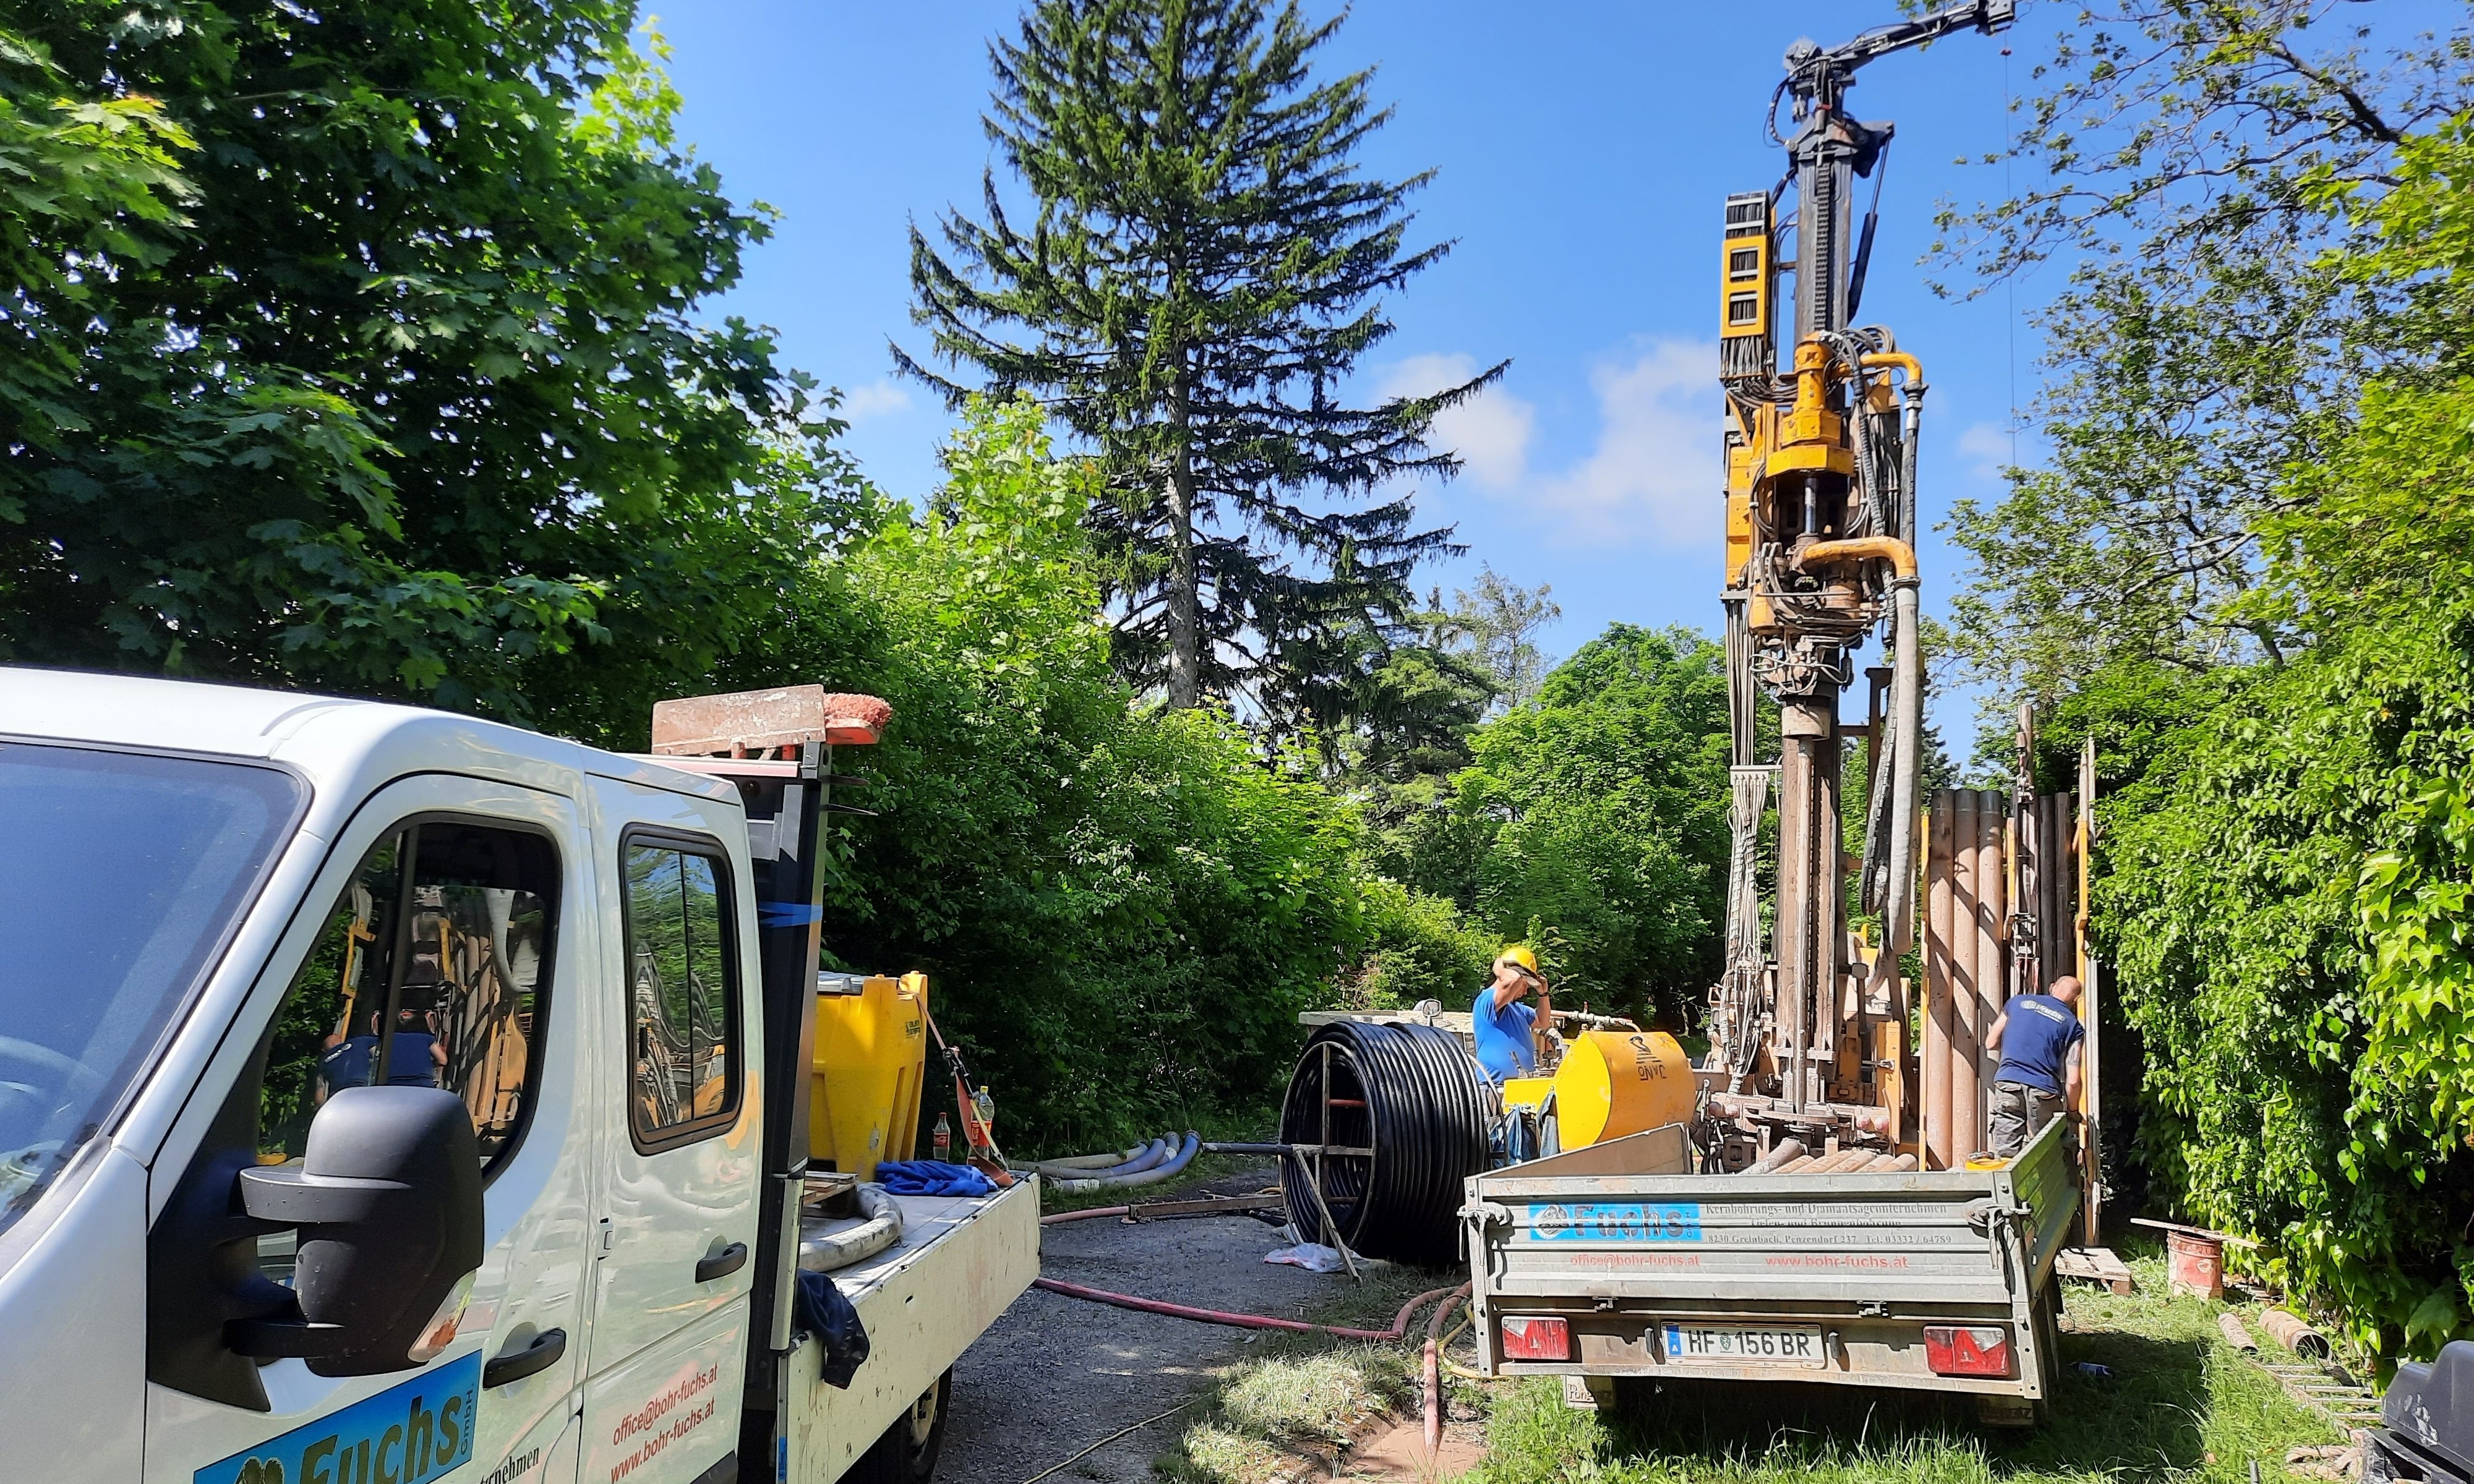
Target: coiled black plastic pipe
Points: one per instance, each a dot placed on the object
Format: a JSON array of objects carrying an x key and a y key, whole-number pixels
[{"x": 1415, "y": 1096}]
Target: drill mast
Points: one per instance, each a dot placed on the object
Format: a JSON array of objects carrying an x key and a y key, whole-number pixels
[{"x": 1809, "y": 1033}]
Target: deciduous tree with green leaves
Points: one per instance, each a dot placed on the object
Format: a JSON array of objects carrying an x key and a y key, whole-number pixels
[
  {"x": 1202, "y": 266},
  {"x": 402, "y": 386},
  {"x": 2183, "y": 155}
]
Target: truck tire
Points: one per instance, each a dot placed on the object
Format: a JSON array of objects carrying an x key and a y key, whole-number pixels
[{"x": 906, "y": 1452}]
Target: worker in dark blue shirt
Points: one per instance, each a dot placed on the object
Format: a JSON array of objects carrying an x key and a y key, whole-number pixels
[
  {"x": 2038, "y": 1037},
  {"x": 1505, "y": 1028}
]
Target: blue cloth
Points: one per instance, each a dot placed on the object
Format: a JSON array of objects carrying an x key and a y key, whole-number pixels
[
  {"x": 1505, "y": 1047},
  {"x": 2037, "y": 1041},
  {"x": 821, "y": 1309},
  {"x": 929, "y": 1177}
]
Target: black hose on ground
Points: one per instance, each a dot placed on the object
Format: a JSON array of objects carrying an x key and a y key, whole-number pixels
[{"x": 1414, "y": 1096}]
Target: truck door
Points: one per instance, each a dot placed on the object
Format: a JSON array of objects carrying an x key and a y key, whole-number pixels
[
  {"x": 678, "y": 1173},
  {"x": 448, "y": 942}
]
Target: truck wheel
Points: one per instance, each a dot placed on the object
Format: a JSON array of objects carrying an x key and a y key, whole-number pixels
[{"x": 906, "y": 1452}]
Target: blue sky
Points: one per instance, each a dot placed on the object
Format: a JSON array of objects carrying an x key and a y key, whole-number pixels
[{"x": 1583, "y": 154}]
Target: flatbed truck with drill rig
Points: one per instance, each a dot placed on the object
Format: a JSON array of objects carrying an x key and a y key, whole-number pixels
[{"x": 1813, "y": 1208}]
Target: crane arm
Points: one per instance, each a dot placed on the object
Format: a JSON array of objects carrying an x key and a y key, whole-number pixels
[{"x": 1810, "y": 69}]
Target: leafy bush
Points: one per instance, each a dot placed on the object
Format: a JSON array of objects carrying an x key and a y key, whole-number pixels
[
  {"x": 1122, "y": 909},
  {"x": 1417, "y": 947}
]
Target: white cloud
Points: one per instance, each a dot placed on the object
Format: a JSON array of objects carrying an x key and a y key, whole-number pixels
[
  {"x": 1489, "y": 431},
  {"x": 1652, "y": 474},
  {"x": 876, "y": 399},
  {"x": 1655, "y": 472},
  {"x": 1987, "y": 447}
]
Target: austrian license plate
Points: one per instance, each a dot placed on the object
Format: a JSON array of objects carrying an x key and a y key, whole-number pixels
[{"x": 1786, "y": 1345}]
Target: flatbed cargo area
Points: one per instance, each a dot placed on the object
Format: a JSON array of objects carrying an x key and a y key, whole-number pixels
[
  {"x": 1939, "y": 1281},
  {"x": 960, "y": 1261}
]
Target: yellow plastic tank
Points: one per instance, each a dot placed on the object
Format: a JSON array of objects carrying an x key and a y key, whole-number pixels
[
  {"x": 1614, "y": 1083},
  {"x": 871, "y": 1056},
  {"x": 1526, "y": 1092}
]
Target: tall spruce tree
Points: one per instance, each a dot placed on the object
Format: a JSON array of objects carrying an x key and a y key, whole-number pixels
[{"x": 1206, "y": 266}]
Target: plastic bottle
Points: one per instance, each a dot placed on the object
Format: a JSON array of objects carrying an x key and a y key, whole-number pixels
[
  {"x": 942, "y": 1142},
  {"x": 986, "y": 1107}
]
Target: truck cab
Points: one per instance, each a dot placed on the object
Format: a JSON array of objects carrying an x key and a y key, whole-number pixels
[{"x": 389, "y": 1097}]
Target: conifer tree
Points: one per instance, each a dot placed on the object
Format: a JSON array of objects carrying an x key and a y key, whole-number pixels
[{"x": 1206, "y": 266}]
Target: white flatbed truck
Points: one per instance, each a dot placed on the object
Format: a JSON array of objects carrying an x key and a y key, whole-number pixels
[{"x": 388, "y": 1096}]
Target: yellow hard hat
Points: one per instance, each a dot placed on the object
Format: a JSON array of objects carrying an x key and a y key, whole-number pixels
[{"x": 1519, "y": 953}]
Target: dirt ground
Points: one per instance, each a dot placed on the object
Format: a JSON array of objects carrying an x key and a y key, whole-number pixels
[{"x": 1056, "y": 1374}]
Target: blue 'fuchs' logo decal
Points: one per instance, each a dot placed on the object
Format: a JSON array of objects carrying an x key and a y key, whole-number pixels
[{"x": 407, "y": 1434}]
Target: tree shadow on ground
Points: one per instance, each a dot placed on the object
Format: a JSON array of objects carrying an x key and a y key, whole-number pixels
[{"x": 2146, "y": 1416}]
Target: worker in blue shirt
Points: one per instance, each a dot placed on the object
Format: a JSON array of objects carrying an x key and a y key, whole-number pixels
[
  {"x": 1505, "y": 1028},
  {"x": 2038, "y": 1037}
]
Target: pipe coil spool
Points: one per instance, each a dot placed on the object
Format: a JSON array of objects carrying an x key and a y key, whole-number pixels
[{"x": 1414, "y": 1096}]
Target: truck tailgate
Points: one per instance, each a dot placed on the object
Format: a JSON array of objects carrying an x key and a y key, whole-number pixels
[
  {"x": 1621, "y": 1255},
  {"x": 962, "y": 1261}
]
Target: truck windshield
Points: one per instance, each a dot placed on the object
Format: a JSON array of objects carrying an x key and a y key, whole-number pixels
[{"x": 122, "y": 874}]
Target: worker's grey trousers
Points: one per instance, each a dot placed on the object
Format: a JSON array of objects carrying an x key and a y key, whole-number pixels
[{"x": 2020, "y": 1112}]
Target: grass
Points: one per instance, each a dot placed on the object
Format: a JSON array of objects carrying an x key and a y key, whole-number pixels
[
  {"x": 1302, "y": 1394},
  {"x": 2180, "y": 1404}
]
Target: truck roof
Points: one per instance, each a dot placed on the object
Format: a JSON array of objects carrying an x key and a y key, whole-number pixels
[{"x": 337, "y": 743}]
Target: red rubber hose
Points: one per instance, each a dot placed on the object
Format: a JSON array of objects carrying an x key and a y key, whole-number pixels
[
  {"x": 1399, "y": 1324},
  {"x": 1434, "y": 1378}
]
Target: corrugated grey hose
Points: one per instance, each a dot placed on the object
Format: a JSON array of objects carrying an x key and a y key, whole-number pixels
[
  {"x": 1158, "y": 1152},
  {"x": 1121, "y": 1179}
]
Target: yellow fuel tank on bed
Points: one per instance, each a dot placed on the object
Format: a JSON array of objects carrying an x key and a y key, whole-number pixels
[
  {"x": 871, "y": 1054},
  {"x": 1614, "y": 1083}
]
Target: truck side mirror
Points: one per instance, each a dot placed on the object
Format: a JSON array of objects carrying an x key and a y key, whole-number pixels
[{"x": 388, "y": 1203}]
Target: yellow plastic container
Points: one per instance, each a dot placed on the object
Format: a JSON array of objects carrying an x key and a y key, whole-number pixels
[
  {"x": 1614, "y": 1083},
  {"x": 1526, "y": 1092},
  {"x": 871, "y": 1056}
]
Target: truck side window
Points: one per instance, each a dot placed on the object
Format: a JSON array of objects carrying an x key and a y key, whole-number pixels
[
  {"x": 436, "y": 979},
  {"x": 683, "y": 983}
]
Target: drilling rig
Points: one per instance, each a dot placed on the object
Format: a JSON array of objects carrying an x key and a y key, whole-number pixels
[{"x": 1808, "y": 1025}]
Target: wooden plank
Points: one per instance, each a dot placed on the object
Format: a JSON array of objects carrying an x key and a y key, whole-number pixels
[{"x": 2096, "y": 1265}]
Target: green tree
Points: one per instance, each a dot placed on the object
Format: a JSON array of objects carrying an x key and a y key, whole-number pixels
[
  {"x": 416, "y": 398},
  {"x": 1598, "y": 811},
  {"x": 2286, "y": 849},
  {"x": 1121, "y": 909},
  {"x": 2205, "y": 343},
  {"x": 1204, "y": 267}
]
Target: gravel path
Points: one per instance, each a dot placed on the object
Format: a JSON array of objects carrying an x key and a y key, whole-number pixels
[{"x": 1056, "y": 1374}]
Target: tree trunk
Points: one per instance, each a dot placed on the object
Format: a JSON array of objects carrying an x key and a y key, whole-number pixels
[{"x": 1184, "y": 585}]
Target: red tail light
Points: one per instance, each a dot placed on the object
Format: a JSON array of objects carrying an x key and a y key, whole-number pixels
[
  {"x": 1536, "y": 1338},
  {"x": 1966, "y": 1349}
]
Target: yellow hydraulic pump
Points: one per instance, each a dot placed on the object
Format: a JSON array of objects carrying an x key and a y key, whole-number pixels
[
  {"x": 871, "y": 1056},
  {"x": 1614, "y": 1083}
]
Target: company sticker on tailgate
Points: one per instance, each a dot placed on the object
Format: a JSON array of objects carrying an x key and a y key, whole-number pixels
[{"x": 1614, "y": 1221}]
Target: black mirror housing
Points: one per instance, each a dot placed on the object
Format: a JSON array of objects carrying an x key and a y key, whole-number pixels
[{"x": 388, "y": 1203}]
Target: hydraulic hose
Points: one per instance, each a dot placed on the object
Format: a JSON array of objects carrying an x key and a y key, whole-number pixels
[
  {"x": 1399, "y": 1324},
  {"x": 822, "y": 1252},
  {"x": 1907, "y": 705},
  {"x": 1122, "y": 1179},
  {"x": 1416, "y": 1099}
]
